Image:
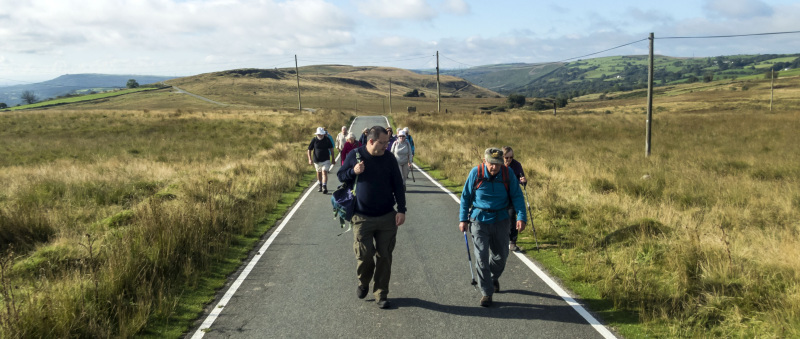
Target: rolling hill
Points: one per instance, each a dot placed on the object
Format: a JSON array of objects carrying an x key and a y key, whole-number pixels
[{"x": 618, "y": 73}]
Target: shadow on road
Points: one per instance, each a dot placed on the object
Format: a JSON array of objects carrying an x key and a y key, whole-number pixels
[{"x": 498, "y": 310}]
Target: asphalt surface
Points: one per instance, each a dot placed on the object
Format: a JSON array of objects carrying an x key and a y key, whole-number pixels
[{"x": 303, "y": 285}]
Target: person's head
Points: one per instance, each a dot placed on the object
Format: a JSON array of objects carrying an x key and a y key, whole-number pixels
[
  {"x": 389, "y": 130},
  {"x": 508, "y": 155},
  {"x": 406, "y": 130},
  {"x": 401, "y": 136},
  {"x": 377, "y": 139},
  {"x": 351, "y": 138},
  {"x": 493, "y": 157},
  {"x": 320, "y": 133},
  {"x": 344, "y": 129}
]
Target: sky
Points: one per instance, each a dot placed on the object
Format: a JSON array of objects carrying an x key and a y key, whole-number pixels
[{"x": 43, "y": 39}]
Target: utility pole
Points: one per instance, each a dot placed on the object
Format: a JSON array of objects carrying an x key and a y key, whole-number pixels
[
  {"x": 297, "y": 73},
  {"x": 649, "y": 101},
  {"x": 438, "y": 92},
  {"x": 771, "y": 90},
  {"x": 390, "y": 95}
]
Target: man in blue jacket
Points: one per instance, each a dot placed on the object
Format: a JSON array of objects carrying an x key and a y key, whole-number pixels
[
  {"x": 488, "y": 191},
  {"x": 379, "y": 185}
]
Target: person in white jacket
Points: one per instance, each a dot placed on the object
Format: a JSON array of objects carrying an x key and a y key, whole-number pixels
[{"x": 402, "y": 152}]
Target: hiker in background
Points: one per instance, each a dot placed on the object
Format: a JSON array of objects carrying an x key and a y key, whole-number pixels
[
  {"x": 363, "y": 138},
  {"x": 320, "y": 149},
  {"x": 392, "y": 138},
  {"x": 341, "y": 138},
  {"x": 508, "y": 160},
  {"x": 410, "y": 140},
  {"x": 333, "y": 155},
  {"x": 487, "y": 193},
  {"x": 349, "y": 145},
  {"x": 402, "y": 152},
  {"x": 375, "y": 221}
]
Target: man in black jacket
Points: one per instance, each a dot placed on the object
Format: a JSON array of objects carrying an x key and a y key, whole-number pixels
[{"x": 379, "y": 187}]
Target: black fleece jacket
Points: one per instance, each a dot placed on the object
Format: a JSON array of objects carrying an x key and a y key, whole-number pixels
[{"x": 379, "y": 186}]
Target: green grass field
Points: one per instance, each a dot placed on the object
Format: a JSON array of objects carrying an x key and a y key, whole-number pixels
[{"x": 81, "y": 98}]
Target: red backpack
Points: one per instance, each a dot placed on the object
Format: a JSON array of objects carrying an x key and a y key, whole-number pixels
[{"x": 482, "y": 177}]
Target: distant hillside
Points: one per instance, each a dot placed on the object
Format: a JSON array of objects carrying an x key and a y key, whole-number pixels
[
  {"x": 618, "y": 73},
  {"x": 320, "y": 84},
  {"x": 73, "y": 84}
]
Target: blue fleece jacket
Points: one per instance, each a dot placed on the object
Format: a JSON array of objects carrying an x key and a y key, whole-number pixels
[
  {"x": 491, "y": 195},
  {"x": 379, "y": 187}
]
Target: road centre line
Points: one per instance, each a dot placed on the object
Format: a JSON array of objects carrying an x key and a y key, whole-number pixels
[{"x": 599, "y": 327}]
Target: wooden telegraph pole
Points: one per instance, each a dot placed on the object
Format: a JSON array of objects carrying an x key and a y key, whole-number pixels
[
  {"x": 438, "y": 92},
  {"x": 390, "y": 95},
  {"x": 297, "y": 73},
  {"x": 649, "y": 101}
]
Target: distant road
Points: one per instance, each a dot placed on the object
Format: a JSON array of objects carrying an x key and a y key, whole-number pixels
[
  {"x": 178, "y": 90},
  {"x": 301, "y": 281}
]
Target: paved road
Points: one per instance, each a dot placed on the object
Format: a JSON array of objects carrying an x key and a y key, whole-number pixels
[
  {"x": 303, "y": 284},
  {"x": 178, "y": 90}
]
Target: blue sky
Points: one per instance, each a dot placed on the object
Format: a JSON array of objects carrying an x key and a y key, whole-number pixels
[{"x": 42, "y": 39}]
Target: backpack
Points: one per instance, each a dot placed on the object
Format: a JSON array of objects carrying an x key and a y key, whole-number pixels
[
  {"x": 344, "y": 200},
  {"x": 482, "y": 178}
]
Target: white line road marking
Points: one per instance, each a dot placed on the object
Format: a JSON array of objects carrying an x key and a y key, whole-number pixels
[
  {"x": 600, "y": 328},
  {"x": 215, "y": 312}
]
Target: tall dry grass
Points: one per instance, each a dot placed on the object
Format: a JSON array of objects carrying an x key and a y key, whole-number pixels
[
  {"x": 109, "y": 216},
  {"x": 702, "y": 237}
]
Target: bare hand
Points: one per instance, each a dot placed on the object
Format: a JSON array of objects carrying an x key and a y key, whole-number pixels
[
  {"x": 359, "y": 168},
  {"x": 309, "y": 162},
  {"x": 522, "y": 180},
  {"x": 399, "y": 219},
  {"x": 463, "y": 226},
  {"x": 520, "y": 225}
]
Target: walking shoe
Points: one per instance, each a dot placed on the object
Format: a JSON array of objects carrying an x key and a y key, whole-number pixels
[
  {"x": 486, "y": 301},
  {"x": 319, "y": 189},
  {"x": 513, "y": 247},
  {"x": 324, "y": 189},
  {"x": 383, "y": 303},
  {"x": 496, "y": 286},
  {"x": 361, "y": 292}
]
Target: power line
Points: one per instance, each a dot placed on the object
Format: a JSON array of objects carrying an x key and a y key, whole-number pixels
[{"x": 725, "y": 36}]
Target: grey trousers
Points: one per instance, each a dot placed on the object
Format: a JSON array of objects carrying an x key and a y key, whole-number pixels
[
  {"x": 375, "y": 237},
  {"x": 491, "y": 252}
]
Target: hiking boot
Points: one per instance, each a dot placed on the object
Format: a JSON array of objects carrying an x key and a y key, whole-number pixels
[
  {"x": 486, "y": 301},
  {"x": 361, "y": 292},
  {"x": 496, "y": 285},
  {"x": 324, "y": 189},
  {"x": 513, "y": 247},
  {"x": 383, "y": 303},
  {"x": 319, "y": 189}
]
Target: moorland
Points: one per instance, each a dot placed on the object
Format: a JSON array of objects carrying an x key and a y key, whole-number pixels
[{"x": 114, "y": 211}]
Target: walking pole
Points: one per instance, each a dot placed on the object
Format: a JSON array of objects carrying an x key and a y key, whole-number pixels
[
  {"x": 412, "y": 172},
  {"x": 469, "y": 260},
  {"x": 530, "y": 217}
]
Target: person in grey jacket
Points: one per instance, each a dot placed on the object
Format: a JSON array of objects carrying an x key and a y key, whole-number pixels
[{"x": 401, "y": 149}]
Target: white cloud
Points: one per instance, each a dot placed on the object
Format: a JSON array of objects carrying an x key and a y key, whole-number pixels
[
  {"x": 738, "y": 9},
  {"x": 217, "y": 25},
  {"x": 459, "y": 7},
  {"x": 418, "y": 10}
]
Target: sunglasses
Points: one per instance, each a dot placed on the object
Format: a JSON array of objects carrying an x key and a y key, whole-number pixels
[{"x": 509, "y": 158}]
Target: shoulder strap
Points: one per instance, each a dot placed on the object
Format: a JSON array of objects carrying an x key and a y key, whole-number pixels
[
  {"x": 480, "y": 178},
  {"x": 504, "y": 170}
]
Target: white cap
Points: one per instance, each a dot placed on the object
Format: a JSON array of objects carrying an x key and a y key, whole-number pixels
[
  {"x": 405, "y": 129},
  {"x": 402, "y": 132},
  {"x": 320, "y": 131}
]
